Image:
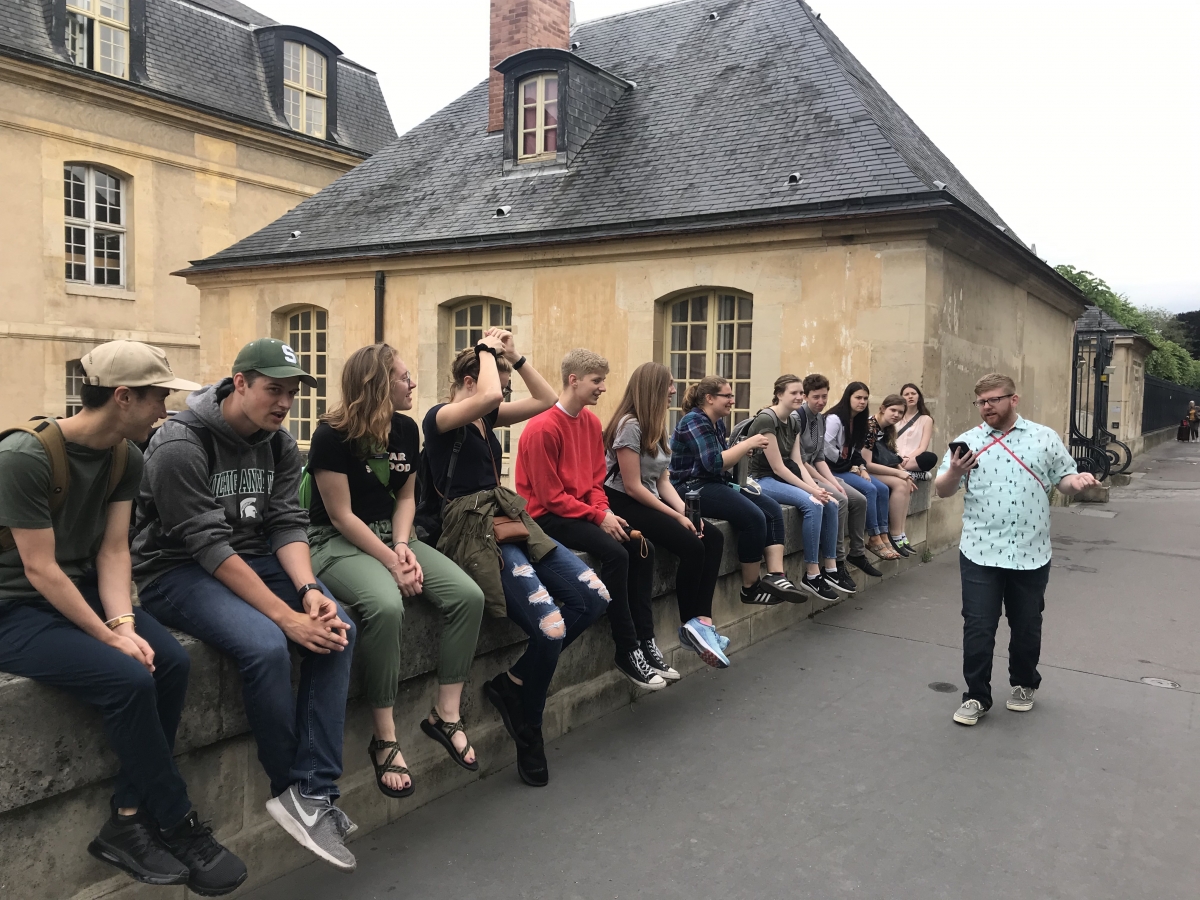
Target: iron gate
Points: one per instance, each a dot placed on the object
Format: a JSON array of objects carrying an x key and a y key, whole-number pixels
[{"x": 1095, "y": 448}]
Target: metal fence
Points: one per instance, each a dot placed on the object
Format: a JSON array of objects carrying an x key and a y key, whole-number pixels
[{"x": 1165, "y": 403}]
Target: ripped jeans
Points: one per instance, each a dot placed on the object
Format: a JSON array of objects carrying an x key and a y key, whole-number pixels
[{"x": 530, "y": 592}]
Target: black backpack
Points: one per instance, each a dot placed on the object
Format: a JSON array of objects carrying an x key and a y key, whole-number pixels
[{"x": 428, "y": 520}]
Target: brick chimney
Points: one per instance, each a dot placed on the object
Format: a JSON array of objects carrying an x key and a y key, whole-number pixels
[{"x": 521, "y": 25}]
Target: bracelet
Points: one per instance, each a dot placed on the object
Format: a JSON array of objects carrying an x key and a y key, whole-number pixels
[
  {"x": 517, "y": 365},
  {"x": 481, "y": 347},
  {"x": 305, "y": 588},
  {"x": 117, "y": 621}
]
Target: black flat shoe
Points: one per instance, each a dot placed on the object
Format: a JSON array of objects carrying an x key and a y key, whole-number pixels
[
  {"x": 899, "y": 547},
  {"x": 864, "y": 565},
  {"x": 386, "y": 767},
  {"x": 504, "y": 694},
  {"x": 443, "y": 732},
  {"x": 531, "y": 758}
]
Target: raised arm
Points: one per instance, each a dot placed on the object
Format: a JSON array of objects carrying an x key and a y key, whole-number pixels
[
  {"x": 542, "y": 395},
  {"x": 486, "y": 398}
]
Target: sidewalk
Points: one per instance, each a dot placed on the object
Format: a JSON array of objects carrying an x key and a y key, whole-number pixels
[{"x": 821, "y": 763}]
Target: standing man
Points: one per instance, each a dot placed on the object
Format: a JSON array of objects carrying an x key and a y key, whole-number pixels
[
  {"x": 1193, "y": 417},
  {"x": 67, "y": 618},
  {"x": 222, "y": 554},
  {"x": 1004, "y": 553}
]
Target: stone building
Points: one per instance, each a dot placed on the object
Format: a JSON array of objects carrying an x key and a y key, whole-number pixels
[
  {"x": 718, "y": 186},
  {"x": 136, "y": 135},
  {"x": 1126, "y": 385}
]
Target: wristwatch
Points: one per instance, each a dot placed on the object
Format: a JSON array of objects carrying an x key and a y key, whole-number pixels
[
  {"x": 305, "y": 588},
  {"x": 517, "y": 365}
]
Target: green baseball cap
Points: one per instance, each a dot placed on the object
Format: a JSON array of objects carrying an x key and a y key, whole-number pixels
[{"x": 272, "y": 358}]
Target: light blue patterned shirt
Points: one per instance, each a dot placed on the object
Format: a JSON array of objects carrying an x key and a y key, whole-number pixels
[{"x": 1006, "y": 513}]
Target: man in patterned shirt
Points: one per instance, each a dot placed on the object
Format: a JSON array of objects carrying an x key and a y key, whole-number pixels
[{"x": 1004, "y": 553}]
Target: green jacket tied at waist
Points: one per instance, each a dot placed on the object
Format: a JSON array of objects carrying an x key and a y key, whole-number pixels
[{"x": 468, "y": 539}]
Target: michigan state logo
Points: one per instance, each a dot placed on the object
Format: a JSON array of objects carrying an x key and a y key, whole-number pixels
[{"x": 289, "y": 354}]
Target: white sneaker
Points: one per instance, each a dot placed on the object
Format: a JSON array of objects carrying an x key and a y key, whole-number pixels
[
  {"x": 970, "y": 713},
  {"x": 315, "y": 824},
  {"x": 1021, "y": 699}
]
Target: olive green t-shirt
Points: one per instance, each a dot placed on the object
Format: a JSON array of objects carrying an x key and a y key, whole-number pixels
[
  {"x": 783, "y": 430},
  {"x": 79, "y": 522}
]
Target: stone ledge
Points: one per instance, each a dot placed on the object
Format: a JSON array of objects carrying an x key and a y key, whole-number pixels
[{"x": 55, "y": 762}]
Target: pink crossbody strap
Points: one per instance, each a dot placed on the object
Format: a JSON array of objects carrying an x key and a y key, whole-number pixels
[{"x": 1000, "y": 440}]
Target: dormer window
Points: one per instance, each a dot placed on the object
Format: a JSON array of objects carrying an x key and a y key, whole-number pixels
[
  {"x": 98, "y": 35},
  {"x": 304, "y": 88},
  {"x": 538, "y": 117}
]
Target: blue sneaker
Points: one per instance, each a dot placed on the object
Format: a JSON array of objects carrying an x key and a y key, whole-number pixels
[
  {"x": 702, "y": 638},
  {"x": 723, "y": 641}
]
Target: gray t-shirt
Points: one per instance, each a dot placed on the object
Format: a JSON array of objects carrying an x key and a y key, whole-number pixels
[{"x": 629, "y": 434}]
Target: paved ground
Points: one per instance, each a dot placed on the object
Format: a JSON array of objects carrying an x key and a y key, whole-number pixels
[{"x": 821, "y": 764}]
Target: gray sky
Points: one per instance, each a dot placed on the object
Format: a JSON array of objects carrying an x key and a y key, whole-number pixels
[{"x": 1079, "y": 122}]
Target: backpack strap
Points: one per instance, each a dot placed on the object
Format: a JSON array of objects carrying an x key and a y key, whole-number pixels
[{"x": 50, "y": 436}]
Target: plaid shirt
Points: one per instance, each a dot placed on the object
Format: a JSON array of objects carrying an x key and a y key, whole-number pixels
[{"x": 696, "y": 448}]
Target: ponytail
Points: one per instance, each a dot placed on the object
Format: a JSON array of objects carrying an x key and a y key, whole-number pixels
[{"x": 705, "y": 387}]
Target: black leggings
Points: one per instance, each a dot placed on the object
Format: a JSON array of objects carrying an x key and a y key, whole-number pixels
[{"x": 699, "y": 557}]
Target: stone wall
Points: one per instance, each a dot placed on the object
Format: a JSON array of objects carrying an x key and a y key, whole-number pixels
[{"x": 55, "y": 765}]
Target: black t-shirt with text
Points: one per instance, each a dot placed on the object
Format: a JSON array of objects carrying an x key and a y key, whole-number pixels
[
  {"x": 474, "y": 470},
  {"x": 370, "y": 499}
]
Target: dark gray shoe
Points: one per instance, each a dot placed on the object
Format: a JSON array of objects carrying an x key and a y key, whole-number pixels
[
  {"x": 213, "y": 870},
  {"x": 970, "y": 712},
  {"x": 317, "y": 825},
  {"x": 132, "y": 844}
]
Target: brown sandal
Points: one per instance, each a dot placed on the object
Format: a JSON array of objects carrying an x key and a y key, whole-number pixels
[
  {"x": 882, "y": 550},
  {"x": 443, "y": 732},
  {"x": 386, "y": 767}
]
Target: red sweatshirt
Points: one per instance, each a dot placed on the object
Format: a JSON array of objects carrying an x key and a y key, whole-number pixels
[{"x": 560, "y": 466}]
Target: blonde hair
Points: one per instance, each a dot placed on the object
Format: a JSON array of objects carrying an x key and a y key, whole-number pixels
[
  {"x": 580, "y": 362},
  {"x": 466, "y": 365},
  {"x": 995, "y": 380},
  {"x": 364, "y": 413},
  {"x": 646, "y": 401}
]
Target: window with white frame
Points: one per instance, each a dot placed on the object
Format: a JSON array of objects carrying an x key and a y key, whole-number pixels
[
  {"x": 538, "y": 117},
  {"x": 711, "y": 333},
  {"x": 97, "y": 35},
  {"x": 307, "y": 333},
  {"x": 95, "y": 227},
  {"x": 304, "y": 89},
  {"x": 470, "y": 319},
  {"x": 75, "y": 376}
]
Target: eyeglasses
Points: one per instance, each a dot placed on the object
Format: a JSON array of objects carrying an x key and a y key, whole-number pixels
[
  {"x": 990, "y": 401},
  {"x": 407, "y": 379},
  {"x": 724, "y": 396}
]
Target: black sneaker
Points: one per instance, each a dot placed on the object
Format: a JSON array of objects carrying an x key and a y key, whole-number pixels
[
  {"x": 657, "y": 661},
  {"x": 759, "y": 595},
  {"x": 779, "y": 583},
  {"x": 132, "y": 844},
  {"x": 633, "y": 665},
  {"x": 864, "y": 565},
  {"x": 505, "y": 695},
  {"x": 899, "y": 547},
  {"x": 842, "y": 580},
  {"x": 531, "y": 757},
  {"x": 819, "y": 587},
  {"x": 213, "y": 869}
]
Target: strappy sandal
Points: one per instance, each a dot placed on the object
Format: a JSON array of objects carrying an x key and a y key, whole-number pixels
[
  {"x": 883, "y": 551},
  {"x": 386, "y": 768},
  {"x": 443, "y": 732}
]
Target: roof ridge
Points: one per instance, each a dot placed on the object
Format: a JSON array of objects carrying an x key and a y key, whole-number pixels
[
  {"x": 216, "y": 14},
  {"x": 635, "y": 12}
]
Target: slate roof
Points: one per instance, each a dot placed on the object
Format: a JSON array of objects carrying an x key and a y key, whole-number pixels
[
  {"x": 1096, "y": 319},
  {"x": 204, "y": 54},
  {"x": 721, "y": 113}
]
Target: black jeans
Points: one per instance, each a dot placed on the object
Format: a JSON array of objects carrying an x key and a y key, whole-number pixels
[
  {"x": 699, "y": 557},
  {"x": 1023, "y": 594},
  {"x": 140, "y": 710},
  {"x": 757, "y": 519},
  {"x": 624, "y": 571}
]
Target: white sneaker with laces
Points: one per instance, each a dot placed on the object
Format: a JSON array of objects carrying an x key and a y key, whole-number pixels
[{"x": 970, "y": 712}]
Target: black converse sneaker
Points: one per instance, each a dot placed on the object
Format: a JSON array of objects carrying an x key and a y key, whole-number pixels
[
  {"x": 819, "y": 587},
  {"x": 213, "y": 869},
  {"x": 657, "y": 662},
  {"x": 634, "y": 666},
  {"x": 132, "y": 844},
  {"x": 759, "y": 595}
]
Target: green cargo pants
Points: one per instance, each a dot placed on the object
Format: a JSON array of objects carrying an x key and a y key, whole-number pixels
[{"x": 362, "y": 583}]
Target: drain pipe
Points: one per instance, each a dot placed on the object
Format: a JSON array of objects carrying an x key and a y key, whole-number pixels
[{"x": 380, "y": 287}]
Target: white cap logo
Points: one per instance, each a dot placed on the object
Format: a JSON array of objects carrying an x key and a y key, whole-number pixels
[{"x": 289, "y": 354}]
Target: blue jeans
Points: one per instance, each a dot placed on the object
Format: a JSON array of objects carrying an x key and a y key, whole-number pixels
[
  {"x": 141, "y": 711},
  {"x": 877, "y": 494},
  {"x": 532, "y": 594},
  {"x": 757, "y": 519},
  {"x": 820, "y": 520},
  {"x": 1022, "y": 592},
  {"x": 299, "y": 740}
]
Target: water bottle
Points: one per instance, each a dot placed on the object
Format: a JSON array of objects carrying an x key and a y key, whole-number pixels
[{"x": 691, "y": 507}]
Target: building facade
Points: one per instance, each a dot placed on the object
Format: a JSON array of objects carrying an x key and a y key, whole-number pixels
[{"x": 136, "y": 135}]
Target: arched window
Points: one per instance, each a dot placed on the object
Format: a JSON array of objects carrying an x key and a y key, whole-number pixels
[
  {"x": 468, "y": 321},
  {"x": 308, "y": 336},
  {"x": 95, "y": 225},
  {"x": 304, "y": 89},
  {"x": 710, "y": 333},
  {"x": 97, "y": 35},
  {"x": 75, "y": 376},
  {"x": 538, "y": 117}
]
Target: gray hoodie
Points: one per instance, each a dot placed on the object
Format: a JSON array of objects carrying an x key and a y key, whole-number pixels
[{"x": 247, "y": 504}]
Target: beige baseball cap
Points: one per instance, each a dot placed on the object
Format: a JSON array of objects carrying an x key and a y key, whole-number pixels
[{"x": 131, "y": 364}]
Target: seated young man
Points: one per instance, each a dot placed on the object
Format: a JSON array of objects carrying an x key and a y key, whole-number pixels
[
  {"x": 222, "y": 554},
  {"x": 66, "y": 617},
  {"x": 852, "y": 505},
  {"x": 560, "y": 472}
]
